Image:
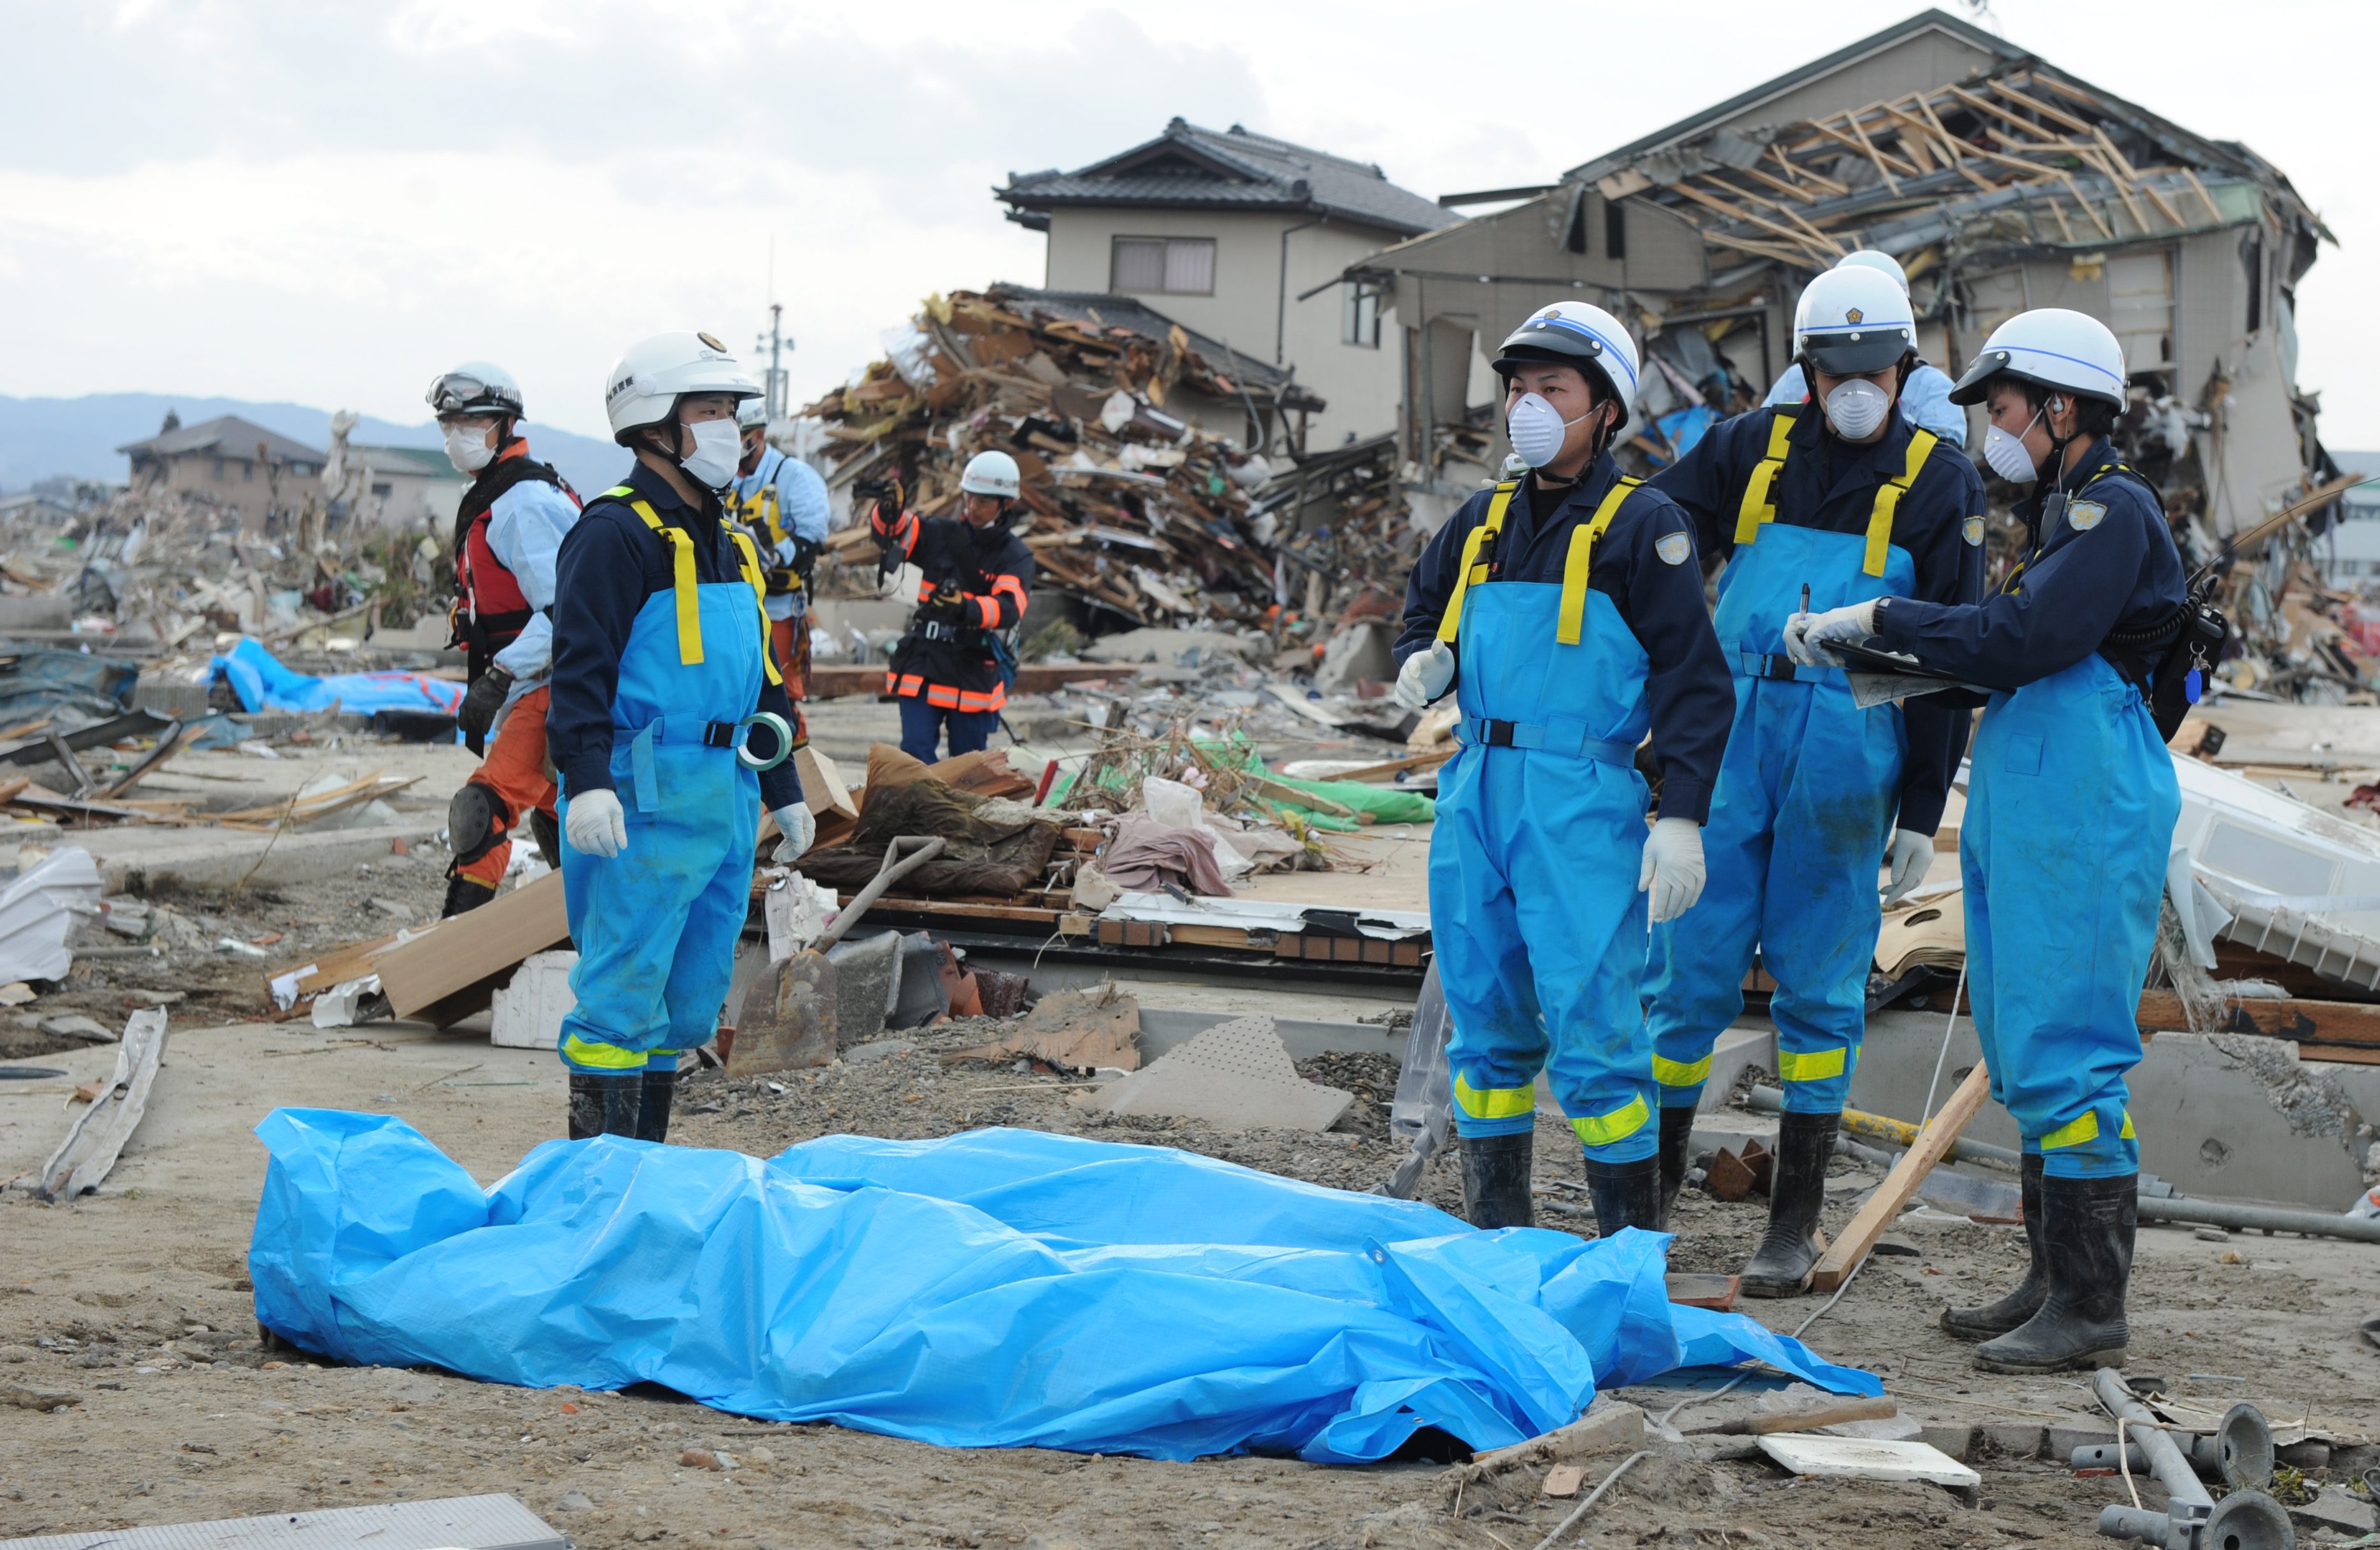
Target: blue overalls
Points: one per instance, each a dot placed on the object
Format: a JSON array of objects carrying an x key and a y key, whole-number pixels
[
  {"x": 656, "y": 925},
  {"x": 1539, "y": 926},
  {"x": 1802, "y": 814},
  {"x": 2057, "y": 949}
]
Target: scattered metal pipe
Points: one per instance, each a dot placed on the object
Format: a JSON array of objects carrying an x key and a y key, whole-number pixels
[
  {"x": 2224, "y": 1212},
  {"x": 2239, "y": 1452},
  {"x": 2245, "y": 1520}
]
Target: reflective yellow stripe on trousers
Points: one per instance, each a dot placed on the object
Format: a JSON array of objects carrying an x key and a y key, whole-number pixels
[
  {"x": 2076, "y": 1133},
  {"x": 1494, "y": 1103},
  {"x": 1817, "y": 1066},
  {"x": 602, "y": 1057},
  {"x": 1678, "y": 1074},
  {"x": 1602, "y": 1129}
]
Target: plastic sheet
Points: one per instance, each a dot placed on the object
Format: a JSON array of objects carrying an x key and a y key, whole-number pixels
[
  {"x": 997, "y": 1288},
  {"x": 263, "y": 684}
]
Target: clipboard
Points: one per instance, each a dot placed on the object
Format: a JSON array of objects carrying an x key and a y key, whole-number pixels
[{"x": 1888, "y": 677}]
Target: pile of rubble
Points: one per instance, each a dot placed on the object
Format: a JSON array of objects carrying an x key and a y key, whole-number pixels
[{"x": 1143, "y": 508}]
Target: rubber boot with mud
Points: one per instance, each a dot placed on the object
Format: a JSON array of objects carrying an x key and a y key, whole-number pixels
[
  {"x": 653, "y": 1115},
  {"x": 1625, "y": 1195},
  {"x": 2087, "y": 1248},
  {"x": 1496, "y": 1179},
  {"x": 1677, "y": 1135},
  {"x": 464, "y": 893},
  {"x": 1998, "y": 1319},
  {"x": 1797, "y": 1196},
  {"x": 604, "y": 1103},
  {"x": 546, "y": 829}
]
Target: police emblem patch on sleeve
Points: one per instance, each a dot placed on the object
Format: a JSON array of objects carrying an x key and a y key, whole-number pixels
[
  {"x": 2083, "y": 515},
  {"x": 1973, "y": 530},
  {"x": 1674, "y": 548}
]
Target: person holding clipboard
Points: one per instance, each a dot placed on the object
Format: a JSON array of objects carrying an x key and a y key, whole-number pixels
[{"x": 2072, "y": 802}]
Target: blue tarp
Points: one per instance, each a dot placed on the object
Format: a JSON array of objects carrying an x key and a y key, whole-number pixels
[
  {"x": 263, "y": 684},
  {"x": 1002, "y": 1288}
]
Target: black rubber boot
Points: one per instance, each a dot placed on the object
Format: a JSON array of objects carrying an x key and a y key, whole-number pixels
[
  {"x": 1797, "y": 1196},
  {"x": 547, "y": 832},
  {"x": 1626, "y": 1194},
  {"x": 602, "y": 1103},
  {"x": 652, "y": 1116},
  {"x": 1999, "y": 1318},
  {"x": 464, "y": 893},
  {"x": 1677, "y": 1135},
  {"x": 2086, "y": 1249},
  {"x": 1496, "y": 1179}
]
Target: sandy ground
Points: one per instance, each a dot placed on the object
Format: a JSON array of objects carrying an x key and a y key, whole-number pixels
[{"x": 136, "y": 1301}]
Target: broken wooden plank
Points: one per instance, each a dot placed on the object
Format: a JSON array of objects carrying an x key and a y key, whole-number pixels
[
  {"x": 452, "y": 970},
  {"x": 1869, "y": 1223},
  {"x": 172, "y": 741},
  {"x": 98, "y": 1135},
  {"x": 2332, "y": 1022}
]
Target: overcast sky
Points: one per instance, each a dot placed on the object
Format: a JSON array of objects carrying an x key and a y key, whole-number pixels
[{"x": 329, "y": 202}]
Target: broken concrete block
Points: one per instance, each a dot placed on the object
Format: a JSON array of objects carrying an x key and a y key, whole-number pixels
[
  {"x": 68, "y": 1024},
  {"x": 1236, "y": 1075},
  {"x": 529, "y": 1009},
  {"x": 2334, "y": 1509},
  {"x": 1867, "y": 1458}
]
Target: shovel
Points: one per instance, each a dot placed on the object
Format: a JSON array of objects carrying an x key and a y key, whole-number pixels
[{"x": 790, "y": 1014}]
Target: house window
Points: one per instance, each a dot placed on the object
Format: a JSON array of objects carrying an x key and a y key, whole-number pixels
[
  {"x": 247, "y": 470},
  {"x": 1615, "y": 229},
  {"x": 219, "y": 466},
  {"x": 1359, "y": 313},
  {"x": 382, "y": 491},
  {"x": 1167, "y": 265}
]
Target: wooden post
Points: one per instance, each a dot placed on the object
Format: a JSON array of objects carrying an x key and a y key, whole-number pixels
[{"x": 1836, "y": 1265}]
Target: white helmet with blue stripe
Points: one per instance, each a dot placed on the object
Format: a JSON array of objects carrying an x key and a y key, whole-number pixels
[
  {"x": 1573, "y": 333},
  {"x": 2071, "y": 352},
  {"x": 1854, "y": 320},
  {"x": 1882, "y": 262}
]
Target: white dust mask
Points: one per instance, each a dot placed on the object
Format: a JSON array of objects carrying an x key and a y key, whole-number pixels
[
  {"x": 2006, "y": 456},
  {"x": 1856, "y": 408},
  {"x": 718, "y": 450},
  {"x": 1537, "y": 429},
  {"x": 468, "y": 449}
]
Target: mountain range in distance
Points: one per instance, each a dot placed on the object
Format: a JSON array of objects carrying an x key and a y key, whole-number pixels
[{"x": 41, "y": 438}]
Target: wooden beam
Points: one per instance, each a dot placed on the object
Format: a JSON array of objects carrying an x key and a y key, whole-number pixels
[
  {"x": 2088, "y": 208},
  {"x": 2123, "y": 189},
  {"x": 1780, "y": 185},
  {"x": 2338, "y": 1023},
  {"x": 1958, "y": 147},
  {"x": 1736, "y": 212},
  {"x": 1926, "y": 133},
  {"x": 1877, "y": 156},
  {"x": 1986, "y": 105},
  {"x": 1821, "y": 179},
  {"x": 1869, "y": 1224},
  {"x": 2044, "y": 109},
  {"x": 2203, "y": 197}
]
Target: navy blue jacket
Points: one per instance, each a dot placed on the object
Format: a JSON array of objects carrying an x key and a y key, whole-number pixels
[
  {"x": 1687, "y": 691},
  {"x": 1831, "y": 485},
  {"x": 610, "y": 563},
  {"x": 2096, "y": 570}
]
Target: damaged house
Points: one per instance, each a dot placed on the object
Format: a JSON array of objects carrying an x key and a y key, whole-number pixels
[{"x": 2000, "y": 181}]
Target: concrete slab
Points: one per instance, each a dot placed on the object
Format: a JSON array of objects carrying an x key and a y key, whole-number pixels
[
  {"x": 142, "y": 860},
  {"x": 1237, "y": 1074},
  {"x": 1867, "y": 1459}
]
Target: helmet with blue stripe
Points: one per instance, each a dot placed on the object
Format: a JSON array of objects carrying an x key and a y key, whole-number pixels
[
  {"x": 1573, "y": 333},
  {"x": 2052, "y": 347},
  {"x": 1853, "y": 321}
]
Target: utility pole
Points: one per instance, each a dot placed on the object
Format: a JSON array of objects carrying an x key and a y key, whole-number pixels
[{"x": 774, "y": 381}]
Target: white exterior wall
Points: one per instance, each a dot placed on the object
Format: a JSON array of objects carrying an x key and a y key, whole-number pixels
[{"x": 1250, "y": 309}]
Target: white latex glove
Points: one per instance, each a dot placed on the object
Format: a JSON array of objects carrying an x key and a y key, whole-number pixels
[
  {"x": 1425, "y": 675},
  {"x": 1806, "y": 633},
  {"x": 1673, "y": 868},
  {"x": 800, "y": 829},
  {"x": 1912, "y": 853},
  {"x": 595, "y": 825}
]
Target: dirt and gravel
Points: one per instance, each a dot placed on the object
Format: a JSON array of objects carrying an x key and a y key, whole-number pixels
[{"x": 135, "y": 1303}]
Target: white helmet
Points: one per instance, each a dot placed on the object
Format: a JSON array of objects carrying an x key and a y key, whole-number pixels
[
  {"x": 751, "y": 412},
  {"x": 990, "y": 473},
  {"x": 1854, "y": 320},
  {"x": 1573, "y": 333},
  {"x": 652, "y": 374},
  {"x": 1883, "y": 263},
  {"x": 474, "y": 388},
  {"x": 2071, "y": 351}
]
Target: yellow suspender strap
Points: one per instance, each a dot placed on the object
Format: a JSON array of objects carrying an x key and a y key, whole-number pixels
[
  {"x": 1475, "y": 568},
  {"x": 690, "y": 612},
  {"x": 1760, "y": 490},
  {"x": 1888, "y": 501},
  {"x": 759, "y": 596},
  {"x": 1581, "y": 549}
]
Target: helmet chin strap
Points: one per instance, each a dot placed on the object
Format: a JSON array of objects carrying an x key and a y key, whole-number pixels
[{"x": 2058, "y": 444}]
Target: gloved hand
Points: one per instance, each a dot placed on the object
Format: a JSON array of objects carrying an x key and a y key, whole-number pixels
[
  {"x": 595, "y": 825},
  {"x": 1805, "y": 634},
  {"x": 485, "y": 697},
  {"x": 1673, "y": 868},
  {"x": 1425, "y": 675},
  {"x": 800, "y": 830},
  {"x": 1912, "y": 853},
  {"x": 942, "y": 608}
]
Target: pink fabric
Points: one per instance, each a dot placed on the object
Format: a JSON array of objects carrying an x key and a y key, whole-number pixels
[{"x": 1147, "y": 854}]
